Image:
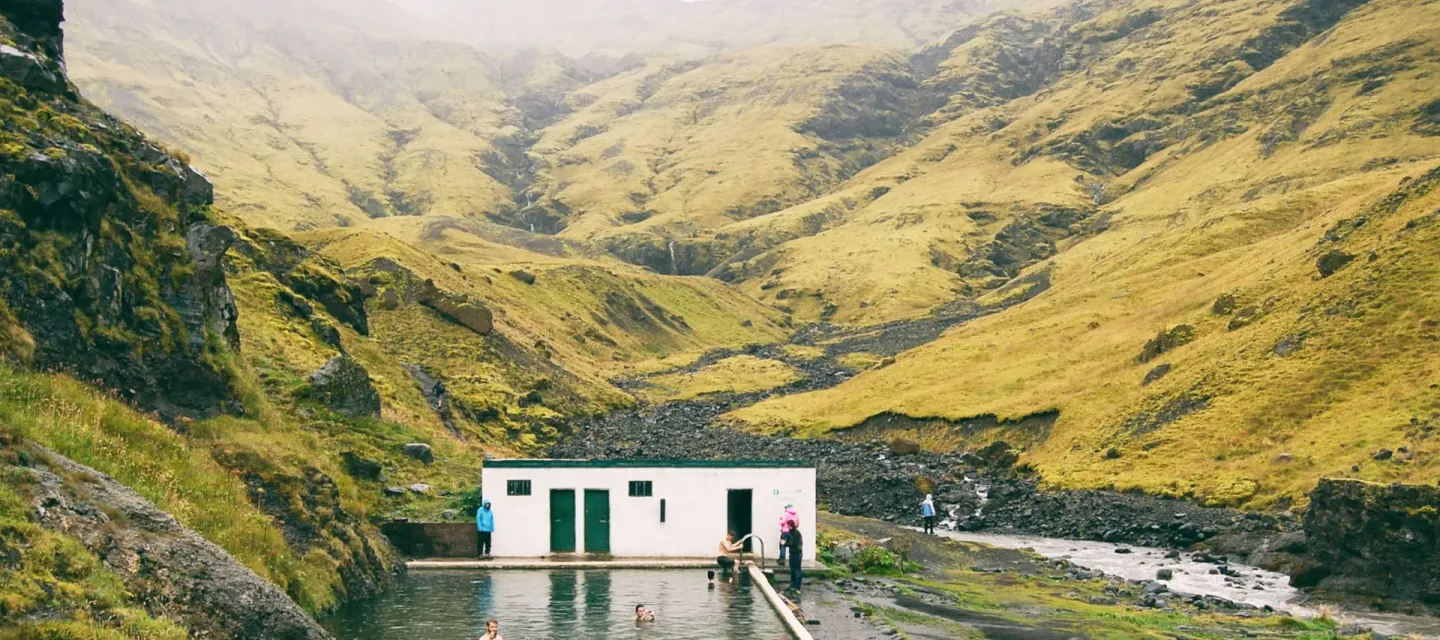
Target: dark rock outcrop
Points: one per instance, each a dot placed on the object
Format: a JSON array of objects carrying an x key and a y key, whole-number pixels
[
  {"x": 1380, "y": 541},
  {"x": 343, "y": 385},
  {"x": 1165, "y": 342},
  {"x": 308, "y": 274},
  {"x": 108, "y": 256},
  {"x": 1333, "y": 260},
  {"x": 166, "y": 566}
]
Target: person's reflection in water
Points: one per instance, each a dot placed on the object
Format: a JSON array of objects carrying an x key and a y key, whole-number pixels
[
  {"x": 742, "y": 610},
  {"x": 562, "y": 604},
  {"x": 484, "y": 599},
  {"x": 597, "y": 605}
]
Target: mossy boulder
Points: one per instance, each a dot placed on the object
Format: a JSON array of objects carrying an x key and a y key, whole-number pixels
[
  {"x": 1166, "y": 341},
  {"x": 1333, "y": 260},
  {"x": 343, "y": 385}
]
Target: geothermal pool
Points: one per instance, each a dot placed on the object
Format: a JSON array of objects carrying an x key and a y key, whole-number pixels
[{"x": 564, "y": 604}]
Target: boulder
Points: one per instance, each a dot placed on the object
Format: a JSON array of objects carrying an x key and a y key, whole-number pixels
[
  {"x": 419, "y": 488},
  {"x": 1164, "y": 574},
  {"x": 394, "y": 491},
  {"x": 904, "y": 447},
  {"x": 343, "y": 385},
  {"x": 523, "y": 276},
  {"x": 461, "y": 310},
  {"x": 419, "y": 451},
  {"x": 1332, "y": 261}
]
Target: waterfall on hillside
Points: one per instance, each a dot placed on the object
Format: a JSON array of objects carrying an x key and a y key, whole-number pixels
[{"x": 673, "y": 268}]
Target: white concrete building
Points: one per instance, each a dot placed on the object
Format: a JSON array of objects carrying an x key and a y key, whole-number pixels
[{"x": 644, "y": 508}]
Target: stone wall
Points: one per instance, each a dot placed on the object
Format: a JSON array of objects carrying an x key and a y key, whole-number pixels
[{"x": 432, "y": 539}]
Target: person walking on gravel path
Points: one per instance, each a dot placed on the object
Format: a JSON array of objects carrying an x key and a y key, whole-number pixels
[{"x": 927, "y": 511}]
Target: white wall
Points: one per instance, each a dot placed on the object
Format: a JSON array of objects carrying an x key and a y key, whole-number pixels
[{"x": 696, "y": 508}]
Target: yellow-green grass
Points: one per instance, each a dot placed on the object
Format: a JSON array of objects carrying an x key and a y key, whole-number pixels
[
  {"x": 1352, "y": 388},
  {"x": 176, "y": 474},
  {"x": 1190, "y": 224},
  {"x": 579, "y": 308},
  {"x": 737, "y": 374},
  {"x": 859, "y": 361}
]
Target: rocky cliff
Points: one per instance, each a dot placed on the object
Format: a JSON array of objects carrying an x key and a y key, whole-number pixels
[
  {"x": 111, "y": 261},
  {"x": 1374, "y": 541}
]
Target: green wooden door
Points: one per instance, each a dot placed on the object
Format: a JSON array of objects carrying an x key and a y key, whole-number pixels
[
  {"x": 597, "y": 521},
  {"x": 562, "y": 521}
]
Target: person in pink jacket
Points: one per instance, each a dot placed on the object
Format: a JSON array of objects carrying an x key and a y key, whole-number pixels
[{"x": 788, "y": 520}]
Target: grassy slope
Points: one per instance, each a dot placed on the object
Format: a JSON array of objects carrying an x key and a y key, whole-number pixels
[
  {"x": 299, "y": 131},
  {"x": 1198, "y": 220}
]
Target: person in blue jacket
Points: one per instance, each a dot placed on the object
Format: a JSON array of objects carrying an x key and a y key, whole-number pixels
[{"x": 485, "y": 525}]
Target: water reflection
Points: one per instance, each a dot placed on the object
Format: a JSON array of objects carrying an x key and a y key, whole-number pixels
[
  {"x": 597, "y": 603},
  {"x": 565, "y": 605},
  {"x": 562, "y": 603}
]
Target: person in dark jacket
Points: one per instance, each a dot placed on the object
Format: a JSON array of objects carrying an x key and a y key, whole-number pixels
[{"x": 795, "y": 544}]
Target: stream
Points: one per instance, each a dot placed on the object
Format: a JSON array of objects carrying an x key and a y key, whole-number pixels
[{"x": 1245, "y": 584}]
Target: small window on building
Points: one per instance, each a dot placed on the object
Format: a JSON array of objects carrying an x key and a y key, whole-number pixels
[
  {"x": 517, "y": 487},
  {"x": 641, "y": 488}
]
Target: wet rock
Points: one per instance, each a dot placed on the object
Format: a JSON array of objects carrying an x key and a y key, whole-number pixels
[
  {"x": 1122, "y": 550},
  {"x": 1332, "y": 261},
  {"x": 1164, "y": 574},
  {"x": 419, "y": 451},
  {"x": 1308, "y": 574},
  {"x": 1363, "y": 536},
  {"x": 343, "y": 385},
  {"x": 362, "y": 468}
]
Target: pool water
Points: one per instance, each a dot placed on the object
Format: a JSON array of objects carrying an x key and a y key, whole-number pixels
[{"x": 566, "y": 605}]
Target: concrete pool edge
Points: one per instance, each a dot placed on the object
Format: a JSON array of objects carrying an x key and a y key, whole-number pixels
[
  {"x": 797, "y": 628},
  {"x": 530, "y": 564}
]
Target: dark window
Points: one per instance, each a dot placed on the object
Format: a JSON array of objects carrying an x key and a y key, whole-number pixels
[
  {"x": 641, "y": 488},
  {"x": 517, "y": 487},
  {"x": 662, "y": 510}
]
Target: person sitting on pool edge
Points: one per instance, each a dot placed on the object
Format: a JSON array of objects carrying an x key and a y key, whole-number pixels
[
  {"x": 728, "y": 547},
  {"x": 643, "y": 615},
  {"x": 492, "y": 630}
]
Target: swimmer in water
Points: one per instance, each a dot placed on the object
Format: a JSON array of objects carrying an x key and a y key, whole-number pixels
[
  {"x": 643, "y": 615},
  {"x": 492, "y": 630}
]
